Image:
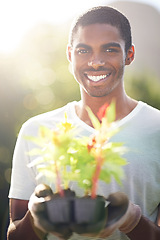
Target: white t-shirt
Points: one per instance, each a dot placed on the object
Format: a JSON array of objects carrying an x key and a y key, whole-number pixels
[{"x": 140, "y": 133}]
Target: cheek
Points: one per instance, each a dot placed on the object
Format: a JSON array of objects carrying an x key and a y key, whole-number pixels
[
  {"x": 120, "y": 64},
  {"x": 120, "y": 70},
  {"x": 75, "y": 71},
  {"x": 76, "y": 65}
]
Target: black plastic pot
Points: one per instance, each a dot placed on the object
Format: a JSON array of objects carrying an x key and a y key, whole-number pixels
[
  {"x": 59, "y": 210},
  {"x": 90, "y": 215},
  {"x": 83, "y": 215}
]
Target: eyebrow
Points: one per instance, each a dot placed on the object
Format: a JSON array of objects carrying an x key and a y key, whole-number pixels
[
  {"x": 111, "y": 44},
  {"x": 82, "y": 45},
  {"x": 107, "y": 45}
]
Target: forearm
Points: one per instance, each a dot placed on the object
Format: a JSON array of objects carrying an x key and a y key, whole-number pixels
[
  {"x": 24, "y": 229},
  {"x": 145, "y": 230}
]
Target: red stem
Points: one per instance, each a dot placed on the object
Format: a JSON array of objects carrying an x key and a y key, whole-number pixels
[{"x": 95, "y": 178}]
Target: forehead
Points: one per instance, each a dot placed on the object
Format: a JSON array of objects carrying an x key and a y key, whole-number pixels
[{"x": 97, "y": 33}]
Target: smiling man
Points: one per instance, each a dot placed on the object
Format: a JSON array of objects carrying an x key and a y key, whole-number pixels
[{"x": 99, "y": 49}]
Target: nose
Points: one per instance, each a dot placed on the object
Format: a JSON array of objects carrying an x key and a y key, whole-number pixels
[{"x": 96, "y": 63}]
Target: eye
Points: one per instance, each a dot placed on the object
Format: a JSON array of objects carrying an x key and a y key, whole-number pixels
[
  {"x": 82, "y": 51},
  {"x": 111, "y": 50}
]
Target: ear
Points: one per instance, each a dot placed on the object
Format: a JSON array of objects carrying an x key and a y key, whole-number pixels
[
  {"x": 130, "y": 55},
  {"x": 69, "y": 54}
]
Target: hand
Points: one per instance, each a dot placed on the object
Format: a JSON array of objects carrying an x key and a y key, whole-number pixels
[
  {"x": 37, "y": 208},
  {"x": 122, "y": 214}
]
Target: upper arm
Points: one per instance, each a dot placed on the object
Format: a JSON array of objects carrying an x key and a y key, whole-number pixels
[
  {"x": 158, "y": 216},
  {"x": 18, "y": 209}
]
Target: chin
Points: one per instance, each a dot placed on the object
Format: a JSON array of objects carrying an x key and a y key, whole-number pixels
[{"x": 99, "y": 94}]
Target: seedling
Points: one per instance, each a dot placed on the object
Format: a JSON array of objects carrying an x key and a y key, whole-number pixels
[{"x": 62, "y": 157}]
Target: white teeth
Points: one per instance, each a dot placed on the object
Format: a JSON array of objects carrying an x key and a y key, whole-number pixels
[{"x": 97, "y": 78}]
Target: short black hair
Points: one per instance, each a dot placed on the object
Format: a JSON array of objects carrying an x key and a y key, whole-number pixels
[{"x": 106, "y": 15}]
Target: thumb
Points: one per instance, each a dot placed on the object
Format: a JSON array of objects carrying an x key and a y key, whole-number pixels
[
  {"x": 43, "y": 190},
  {"x": 118, "y": 199},
  {"x": 118, "y": 205}
]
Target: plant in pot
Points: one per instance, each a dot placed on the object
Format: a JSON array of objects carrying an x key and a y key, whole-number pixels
[{"x": 86, "y": 160}]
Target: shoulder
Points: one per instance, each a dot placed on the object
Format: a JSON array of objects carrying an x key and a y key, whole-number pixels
[
  {"x": 148, "y": 117},
  {"x": 149, "y": 111},
  {"x": 48, "y": 119}
]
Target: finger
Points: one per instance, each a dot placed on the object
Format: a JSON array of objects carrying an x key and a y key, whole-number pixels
[
  {"x": 36, "y": 204},
  {"x": 117, "y": 207},
  {"x": 117, "y": 198},
  {"x": 43, "y": 190},
  {"x": 60, "y": 230}
]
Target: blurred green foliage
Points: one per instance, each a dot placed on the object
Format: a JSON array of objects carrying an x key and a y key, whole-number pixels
[
  {"x": 144, "y": 86},
  {"x": 36, "y": 78}
]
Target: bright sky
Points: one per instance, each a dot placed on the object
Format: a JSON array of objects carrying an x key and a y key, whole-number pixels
[{"x": 18, "y": 16}]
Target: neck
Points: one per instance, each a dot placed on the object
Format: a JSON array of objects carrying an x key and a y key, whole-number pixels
[{"x": 124, "y": 105}]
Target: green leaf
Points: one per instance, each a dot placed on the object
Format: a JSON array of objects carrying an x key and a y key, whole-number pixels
[
  {"x": 111, "y": 112},
  {"x": 37, "y": 140},
  {"x": 36, "y": 161},
  {"x": 94, "y": 120},
  {"x": 112, "y": 169},
  {"x": 35, "y": 151}
]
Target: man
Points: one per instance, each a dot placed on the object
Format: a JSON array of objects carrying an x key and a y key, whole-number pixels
[{"x": 100, "y": 47}]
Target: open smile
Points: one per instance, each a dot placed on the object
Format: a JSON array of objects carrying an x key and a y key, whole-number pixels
[{"x": 97, "y": 78}]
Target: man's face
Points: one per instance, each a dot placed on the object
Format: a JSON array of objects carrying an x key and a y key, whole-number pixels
[{"x": 98, "y": 59}]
